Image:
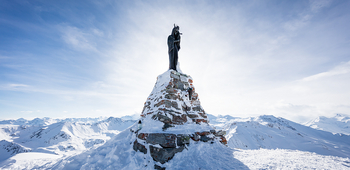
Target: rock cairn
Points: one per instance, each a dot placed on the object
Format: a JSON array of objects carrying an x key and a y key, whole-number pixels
[{"x": 172, "y": 118}]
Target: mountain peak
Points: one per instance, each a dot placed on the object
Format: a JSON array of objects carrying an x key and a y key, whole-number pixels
[{"x": 339, "y": 123}]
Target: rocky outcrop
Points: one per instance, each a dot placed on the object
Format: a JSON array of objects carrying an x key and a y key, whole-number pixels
[
  {"x": 12, "y": 148},
  {"x": 173, "y": 118},
  {"x": 172, "y": 104}
]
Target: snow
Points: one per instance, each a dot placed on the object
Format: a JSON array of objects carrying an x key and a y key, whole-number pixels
[
  {"x": 49, "y": 121},
  {"x": 63, "y": 138},
  {"x": 273, "y": 143},
  {"x": 31, "y": 160},
  {"x": 289, "y": 159},
  {"x": 270, "y": 132},
  {"x": 153, "y": 126},
  {"x": 202, "y": 155},
  {"x": 338, "y": 124},
  {"x": 118, "y": 154}
]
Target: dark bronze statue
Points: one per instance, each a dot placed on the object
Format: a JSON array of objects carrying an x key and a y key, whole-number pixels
[{"x": 174, "y": 47}]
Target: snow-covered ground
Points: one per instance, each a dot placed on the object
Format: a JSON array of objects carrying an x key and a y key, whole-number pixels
[
  {"x": 30, "y": 160},
  {"x": 289, "y": 159},
  {"x": 263, "y": 142},
  {"x": 243, "y": 159}
]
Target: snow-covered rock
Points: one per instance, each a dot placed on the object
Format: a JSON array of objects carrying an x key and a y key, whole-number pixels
[
  {"x": 118, "y": 153},
  {"x": 8, "y": 149},
  {"x": 169, "y": 106}
]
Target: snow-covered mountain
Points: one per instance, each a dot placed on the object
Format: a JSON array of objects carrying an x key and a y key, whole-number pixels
[
  {"x": 338, "y": 124},
  {"x": 46, "y": 143},
  {"x": 61, "y": 137},
  {"x": 9, "y": 149},
  {"x": 263, "y": 142},
  {"x": 48, "y": 121},
  {"x": 269, "y": 132}
]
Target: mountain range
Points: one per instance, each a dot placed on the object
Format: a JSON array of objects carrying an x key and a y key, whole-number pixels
[{"x": 47, "y": 143}]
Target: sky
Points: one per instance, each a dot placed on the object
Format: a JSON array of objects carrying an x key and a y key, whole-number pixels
[{"x": 89, "y": 58}]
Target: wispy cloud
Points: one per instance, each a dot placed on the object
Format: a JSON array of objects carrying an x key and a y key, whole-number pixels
[
  {"x": 27, "y": 112},
  {"x": 17, "y": 85},
  {"x": 292, "y": 108},
  {"x": 317, "y": 5},
  {"x": 343, "y": 68},
  {"x": 79, "y": 39},
  {"x": 306, "y": 15}
]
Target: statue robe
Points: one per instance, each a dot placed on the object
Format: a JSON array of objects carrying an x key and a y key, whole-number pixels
[{"x": 173, "y": 48}]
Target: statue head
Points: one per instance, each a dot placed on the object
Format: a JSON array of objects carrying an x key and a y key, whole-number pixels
[{"x": 175, "y": 30}]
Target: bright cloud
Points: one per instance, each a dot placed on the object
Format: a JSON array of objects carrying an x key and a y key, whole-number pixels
[{"x": 343, "y": 68}]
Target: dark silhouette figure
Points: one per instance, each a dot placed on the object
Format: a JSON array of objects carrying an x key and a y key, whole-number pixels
[
  {"x": 190, "y": 91},
  {"x": 174, "y": 47}
]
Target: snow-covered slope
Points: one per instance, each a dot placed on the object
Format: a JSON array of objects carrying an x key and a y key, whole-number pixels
[
  {"x": 270, "y": 132},
  {"x": 63, "y": 137},
  {"x": 281, "y": 147},
  {"x": 289, "y": 159},
  {"x": 118, "y": 153},
  {"x": 8, "y": 149},
  {"x": 338, "y": 124}
]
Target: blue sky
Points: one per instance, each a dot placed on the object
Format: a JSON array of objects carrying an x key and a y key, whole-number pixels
[{"x": 101, "y": 58}]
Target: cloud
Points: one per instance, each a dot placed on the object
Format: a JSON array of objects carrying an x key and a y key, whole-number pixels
[
  {"x": 305, "y": 16},
  {"x": 27, "y": 112},
  {"x": 17, "y": 85},
  {"x": 97, "y": 32},
  {"x": 79, "y": 39},
  {"x": 98, "y": 90},
  {"x": 3, "y": 57},
  {"x": 343, "y": 68},
  {"x": 317, "y": 5},
  {"x": 293, "y": 108}
]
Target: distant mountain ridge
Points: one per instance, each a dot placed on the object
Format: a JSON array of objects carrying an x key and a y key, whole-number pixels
[
  {"x": 340, "y": 123},
  {"x": 269, "y": 132},
  {"x": 48, "y": 121},
  {"x": 71, "y": 136},
  {"x": 58, "y": 136}
]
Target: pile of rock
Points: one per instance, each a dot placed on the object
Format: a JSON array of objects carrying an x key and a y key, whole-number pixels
[
  {"x": 170, "y": 144},
  {"x": 175, "y": 104}
]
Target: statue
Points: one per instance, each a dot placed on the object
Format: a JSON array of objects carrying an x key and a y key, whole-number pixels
[{"x": 174, "y": 47}]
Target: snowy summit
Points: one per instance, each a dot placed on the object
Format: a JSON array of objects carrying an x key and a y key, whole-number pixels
[{"x": 173, "y": 133}]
